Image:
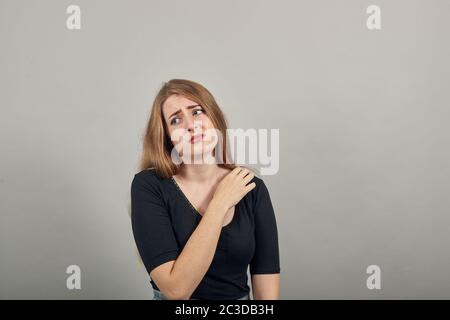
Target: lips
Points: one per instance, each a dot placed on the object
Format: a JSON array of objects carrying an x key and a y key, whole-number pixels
[{"x": 197, "y": 138}]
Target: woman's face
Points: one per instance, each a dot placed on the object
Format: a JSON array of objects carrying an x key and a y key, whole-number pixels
[{"x": 190, "y": 129}]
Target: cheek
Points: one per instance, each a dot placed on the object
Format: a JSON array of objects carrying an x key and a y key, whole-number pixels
[
  {"x": 178, "y": 136},
  {"x": 172, "y": 136},
  {"x": 207, "y": 123}
]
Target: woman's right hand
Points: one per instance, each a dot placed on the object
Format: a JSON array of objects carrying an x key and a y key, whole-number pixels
[{"x": 232, "y": 188}]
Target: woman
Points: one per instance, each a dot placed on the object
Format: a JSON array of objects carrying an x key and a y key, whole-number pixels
[{"x": 198, "y": 226}]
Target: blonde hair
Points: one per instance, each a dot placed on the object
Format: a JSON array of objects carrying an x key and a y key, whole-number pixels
[{"x": 156, "y": 152}]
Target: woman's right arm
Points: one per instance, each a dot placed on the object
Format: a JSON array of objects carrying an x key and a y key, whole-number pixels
[{"x": 178, "y": 279}]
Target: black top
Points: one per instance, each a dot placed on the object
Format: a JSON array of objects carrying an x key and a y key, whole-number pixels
[{"x": 163, "y": 219}]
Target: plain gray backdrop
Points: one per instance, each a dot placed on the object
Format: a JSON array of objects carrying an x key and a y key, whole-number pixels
[{"x": 364, "y": 136}]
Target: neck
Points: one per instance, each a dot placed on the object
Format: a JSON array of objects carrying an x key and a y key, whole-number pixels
[{"x": 199, "y": 173}]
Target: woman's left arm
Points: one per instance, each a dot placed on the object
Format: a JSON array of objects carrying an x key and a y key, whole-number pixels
[
  {"x": 266, "y": 286},
  {"x": 265, "y": 264}
]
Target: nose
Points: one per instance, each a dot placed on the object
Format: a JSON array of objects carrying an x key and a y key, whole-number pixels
[{"x": 192, "y": 125}]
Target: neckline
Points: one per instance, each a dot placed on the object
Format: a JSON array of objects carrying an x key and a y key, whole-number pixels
[{"x": 194, "y": 210}]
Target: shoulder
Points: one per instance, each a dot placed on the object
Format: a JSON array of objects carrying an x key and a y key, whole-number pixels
[
  {"x": 149, "y": 173},
  {"x": 260, "y": 184},
  {"x": 260, "y": 191},
  {"x": 146, "y": 178}
]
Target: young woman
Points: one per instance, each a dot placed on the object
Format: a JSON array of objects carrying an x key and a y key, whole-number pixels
[{"x": 198, "y": 226}]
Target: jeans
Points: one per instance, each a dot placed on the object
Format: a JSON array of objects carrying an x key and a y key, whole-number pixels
[{"x": 158, "y": 295}]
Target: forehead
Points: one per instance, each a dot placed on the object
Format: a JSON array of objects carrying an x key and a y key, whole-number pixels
[{"x": 176, "y": 102}]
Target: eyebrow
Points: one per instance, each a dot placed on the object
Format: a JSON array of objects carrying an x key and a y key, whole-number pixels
[{"x": 188, "y": 107}]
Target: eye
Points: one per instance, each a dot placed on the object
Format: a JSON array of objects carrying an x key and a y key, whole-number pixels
[
  {"x": 201, "y": 111},
  {"x": 172, "y": 122}
]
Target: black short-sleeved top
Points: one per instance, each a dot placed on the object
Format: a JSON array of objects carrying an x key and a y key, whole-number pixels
[{"x": 163, "y": 219}]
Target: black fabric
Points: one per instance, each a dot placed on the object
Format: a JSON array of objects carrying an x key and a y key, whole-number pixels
[{"x": 163, "y": 219}]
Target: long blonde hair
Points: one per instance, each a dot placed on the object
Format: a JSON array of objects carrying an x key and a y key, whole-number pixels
[{"x": 156, "y": 152}]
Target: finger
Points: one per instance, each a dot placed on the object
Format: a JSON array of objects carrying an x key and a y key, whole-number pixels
[
  {"x": 249, "y": 187},
  {"x": 243, "y": 173},
  {"x": 248, "y": 177},
  {"x": 250, "y": 171},
  {"x": 236, "y": 170}
]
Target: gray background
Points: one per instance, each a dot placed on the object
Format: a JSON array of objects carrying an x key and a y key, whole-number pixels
[{"x": 364, "y": 160}]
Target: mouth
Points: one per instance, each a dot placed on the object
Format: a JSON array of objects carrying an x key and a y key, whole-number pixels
[{"x": 197, "y": 138}]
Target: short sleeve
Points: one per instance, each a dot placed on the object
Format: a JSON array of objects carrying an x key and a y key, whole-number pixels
[
  {"x": 266, "y": 258},
  {"x": 151, "y": 224}
]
